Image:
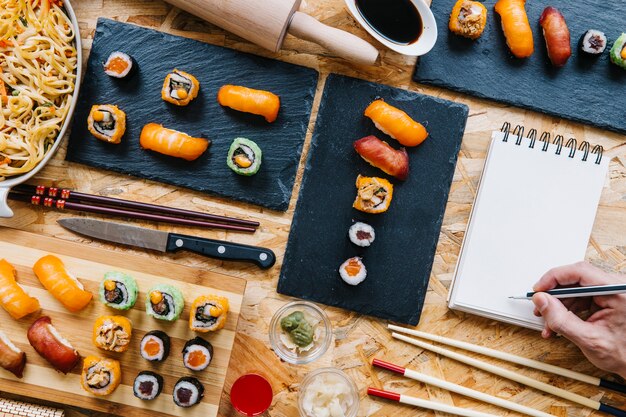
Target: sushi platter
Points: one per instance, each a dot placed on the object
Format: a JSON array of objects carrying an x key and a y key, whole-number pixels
[
  {"x": 41, "y": 380},
  {"x": 583, "y": 89}
]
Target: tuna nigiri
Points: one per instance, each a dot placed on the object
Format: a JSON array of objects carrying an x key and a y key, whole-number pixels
[
  {"x": 516, "y": 28},
  {"x": 381, "y": 155},
  {"x": 53, "y": 347},
  {"x": 260, "y": 102},
  {"x": 172, "y": 142},
  {"x": 556, "y": 34},
  {"x": 13, "y": 298},
  {"x": 63, "y": 286},
  {"x": 396, "y": 123},
  {"x": 11, "y": 357}
]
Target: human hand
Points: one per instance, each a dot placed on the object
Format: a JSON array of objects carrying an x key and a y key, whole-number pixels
[{"x": 602, "y": 336}]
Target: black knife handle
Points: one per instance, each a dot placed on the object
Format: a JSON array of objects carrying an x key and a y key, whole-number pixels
[{"x": 220, "y": 249}]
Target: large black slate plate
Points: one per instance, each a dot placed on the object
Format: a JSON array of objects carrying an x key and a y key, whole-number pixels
[
  {"x": 400, "y": 259},
  {"x": 586, "y": 90},
  {"x": 140, "y": 97}
]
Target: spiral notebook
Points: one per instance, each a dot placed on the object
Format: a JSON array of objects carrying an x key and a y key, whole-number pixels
[{"x": 534, "y": 210}]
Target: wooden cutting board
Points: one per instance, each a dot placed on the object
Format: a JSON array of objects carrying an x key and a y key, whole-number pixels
[{"x": 89, "y": 264}]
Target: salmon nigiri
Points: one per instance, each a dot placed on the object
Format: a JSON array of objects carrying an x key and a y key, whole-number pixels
[
  {"x": 63, "y": 286},
  {"x": 517, "y": 30},
  {"x": 172, "y": 142},
  {"x": 13, "y": 298},
  {"x": 396, "y": 123},
  {"x": 260, "y": 102}
]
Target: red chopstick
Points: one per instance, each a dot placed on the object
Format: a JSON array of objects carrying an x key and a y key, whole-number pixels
[
  {"x": 69, "y": 195},
  {"x": 38, "y": 200}
]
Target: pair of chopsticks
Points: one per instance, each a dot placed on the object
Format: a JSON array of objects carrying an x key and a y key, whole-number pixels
[
  {"x": 89, "y": 203},
  {"x": 505, "y": 373}
]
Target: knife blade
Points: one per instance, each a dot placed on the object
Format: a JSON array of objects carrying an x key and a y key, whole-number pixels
[{"x": 169, "y": 242}]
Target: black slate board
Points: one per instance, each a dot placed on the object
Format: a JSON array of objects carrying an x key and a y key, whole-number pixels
[
  {"x": 585, "y": 90},
  {"x": 140, "y": 97},
  {"x": 400, "y": 259}
]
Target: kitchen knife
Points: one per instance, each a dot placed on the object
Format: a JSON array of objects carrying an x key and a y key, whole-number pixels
[{"x": 169, "y": 242}]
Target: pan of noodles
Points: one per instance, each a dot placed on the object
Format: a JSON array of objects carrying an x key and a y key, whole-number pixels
[{"x": 40, "y": 74}]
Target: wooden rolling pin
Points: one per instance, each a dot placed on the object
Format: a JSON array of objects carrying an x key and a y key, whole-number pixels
[{"x": 266, "y": 22}]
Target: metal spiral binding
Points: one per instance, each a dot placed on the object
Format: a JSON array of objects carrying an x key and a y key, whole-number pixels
[{"x": 571, "y": 144}]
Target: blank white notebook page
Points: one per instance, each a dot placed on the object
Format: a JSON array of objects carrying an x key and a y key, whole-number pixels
[{"x": 534, "y": 210}]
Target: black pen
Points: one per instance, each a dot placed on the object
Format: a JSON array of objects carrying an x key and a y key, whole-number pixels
[{"x": 572, "y": 292}]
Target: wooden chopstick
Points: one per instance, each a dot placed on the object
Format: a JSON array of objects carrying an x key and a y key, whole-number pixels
[
  {"x": 38, "y": 200},
  {"x": 514, "y": 376},
  {"x": 459, "y": 389},
  {"x": 69, "y": 195},
  {"x": 429, "y": 405},
  {"x": 508, "y": 357}
]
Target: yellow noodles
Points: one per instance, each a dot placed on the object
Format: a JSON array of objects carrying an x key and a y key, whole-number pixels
[{"x": 38, "y": 63}]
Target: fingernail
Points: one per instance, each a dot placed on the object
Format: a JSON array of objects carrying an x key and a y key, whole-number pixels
[{"x": 541, "y": 302}]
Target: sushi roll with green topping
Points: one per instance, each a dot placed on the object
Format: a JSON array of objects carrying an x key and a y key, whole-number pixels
[
  {"x": 164, "y": 302},
  {"x": 244, "y": 157},
  {"x": 118, "y": 290},
  {"x": 618, "y": 51}
]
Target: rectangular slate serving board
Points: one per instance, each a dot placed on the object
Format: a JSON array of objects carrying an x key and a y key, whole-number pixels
[
  {"x": 585, "y": 90},
  {"x": 139, "y": 95},
  {"x": 400, "y": 259}
]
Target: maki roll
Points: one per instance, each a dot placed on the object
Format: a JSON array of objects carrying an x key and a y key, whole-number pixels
[
  {"x": 118, "y": 290},
  {"x": 107, "y": 122},
  {"x": 361, "y": 234},
  {"x": 197, "y": 354},
  {"x": 155, "y": 346},
  {"x": 180, "y": 88},
  {"x": 148, "y": 385},
  {"x": 244, "y": 157},
  {"x": 11, "y": 357},
  {"x": 468, "y": 19},
  {"x": 352, "y": 271},
  {"x": 618, "y": 51},
  {"x": 593, "y": 42},
  {"x": 100, "y": 376},
  {"x": 164, "y": 302},
  {"x": 112, "y": 333},
  {"x": 373, "y": 194},
  {"x": 118, "y": 65},
  {"x": 208, "y": 313},
  {"x": 188, "y": 392}
]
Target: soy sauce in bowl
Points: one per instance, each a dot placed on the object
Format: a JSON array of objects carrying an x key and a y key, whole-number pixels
[{"x": 398, "y": 21}]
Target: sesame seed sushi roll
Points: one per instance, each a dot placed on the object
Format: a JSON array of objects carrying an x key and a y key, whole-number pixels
[
  {"x": 396, "y": 123},
  {"x": 118, "y": 290},
  {"x": 373, "y": 194},
  {"x": 155, "y": 346},
  {"x": 107, "y": 123},
  {"x": 353, "y": 271},
  {"x": 112, "y": 333},
  {"x": 164, "y": 302},
  {"x": 148, "y": 385},
  {"x": 180, "y": 88},
  {"x": 197, "y": 354},
  {"x": 244, "y": 157},
  {"x": 188, "y": 392},
  {"x": 593, "y": 42},
  {"x": 248, "y": 100},
  {"x": 100, "y": 376},
  {"x": 618, "y": 51},
  {"x": 118, "y": 65},
  {"x": 208, "y": 313},
  {"x": 361, "y": 234}
]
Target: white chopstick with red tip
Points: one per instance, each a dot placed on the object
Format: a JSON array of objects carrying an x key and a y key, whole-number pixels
[
  {"x": 430, "y": 405},
  {"x": 459, "y": 389}
]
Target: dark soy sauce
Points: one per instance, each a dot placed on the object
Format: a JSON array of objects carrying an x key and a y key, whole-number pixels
[{"x": 395, "y": 20}]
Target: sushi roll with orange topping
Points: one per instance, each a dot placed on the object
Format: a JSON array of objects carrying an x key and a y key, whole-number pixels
[
  {"x": 165, "y": 302},
  {"x": 112, "y": 333},
  {"x": 12, "y": 296},
  {"x": 107, "y": 123},
  {"x": 249, "y": 100},
  {"x": 180, "y": 88},
  {"x": 172, "y": 142},
  {"x": 373, "y": 194},
  {"x": 352, "y": 271},
  {"x": 100, "y": 376},
  {"x": 208, "y": 313},
  {"x": 468, "y": 19},
  {"x": 396, "y": 123},
  {"x": 61, "y": 284}
]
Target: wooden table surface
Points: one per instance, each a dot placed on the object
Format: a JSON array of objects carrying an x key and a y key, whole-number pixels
[{"x": 356, "y": 339}]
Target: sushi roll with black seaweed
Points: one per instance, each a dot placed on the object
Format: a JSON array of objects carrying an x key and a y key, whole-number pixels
[
  {"x": 164, "y": 302},
  {"x": 107, "y": 122},
  {"x": 118, "y": 65},
  {"x": 148, "y": 385},
  {"x": 361, "y": 234},
  {"x": 180, "y": 88},
  {"x": 208, "y": 313},
  {"x": 188, "y": 392},
  {"x": 593, "y": 42},
  {"x": 353, "y": 271},
  {"x": 197, "y": 354},
  {"x": 618, "y": 51},
  {"x": 100, "y": 376},
  {"x": 118, "y": 290},
  {"x": 155, "y": 346},
  {"x": 244, "y": 157}
]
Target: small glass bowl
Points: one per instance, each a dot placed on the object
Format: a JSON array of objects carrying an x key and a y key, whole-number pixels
[
  {"x": 320, "y": 345},
  {"x": 311, "y": 376}
]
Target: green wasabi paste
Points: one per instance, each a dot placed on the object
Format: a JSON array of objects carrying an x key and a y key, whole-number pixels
[{"x": 300, "y": 330}]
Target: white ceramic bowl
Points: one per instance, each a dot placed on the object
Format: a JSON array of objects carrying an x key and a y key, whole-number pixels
[
  {"x": 424, "y": 43},
  {"x": 6, "y": 185}
]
